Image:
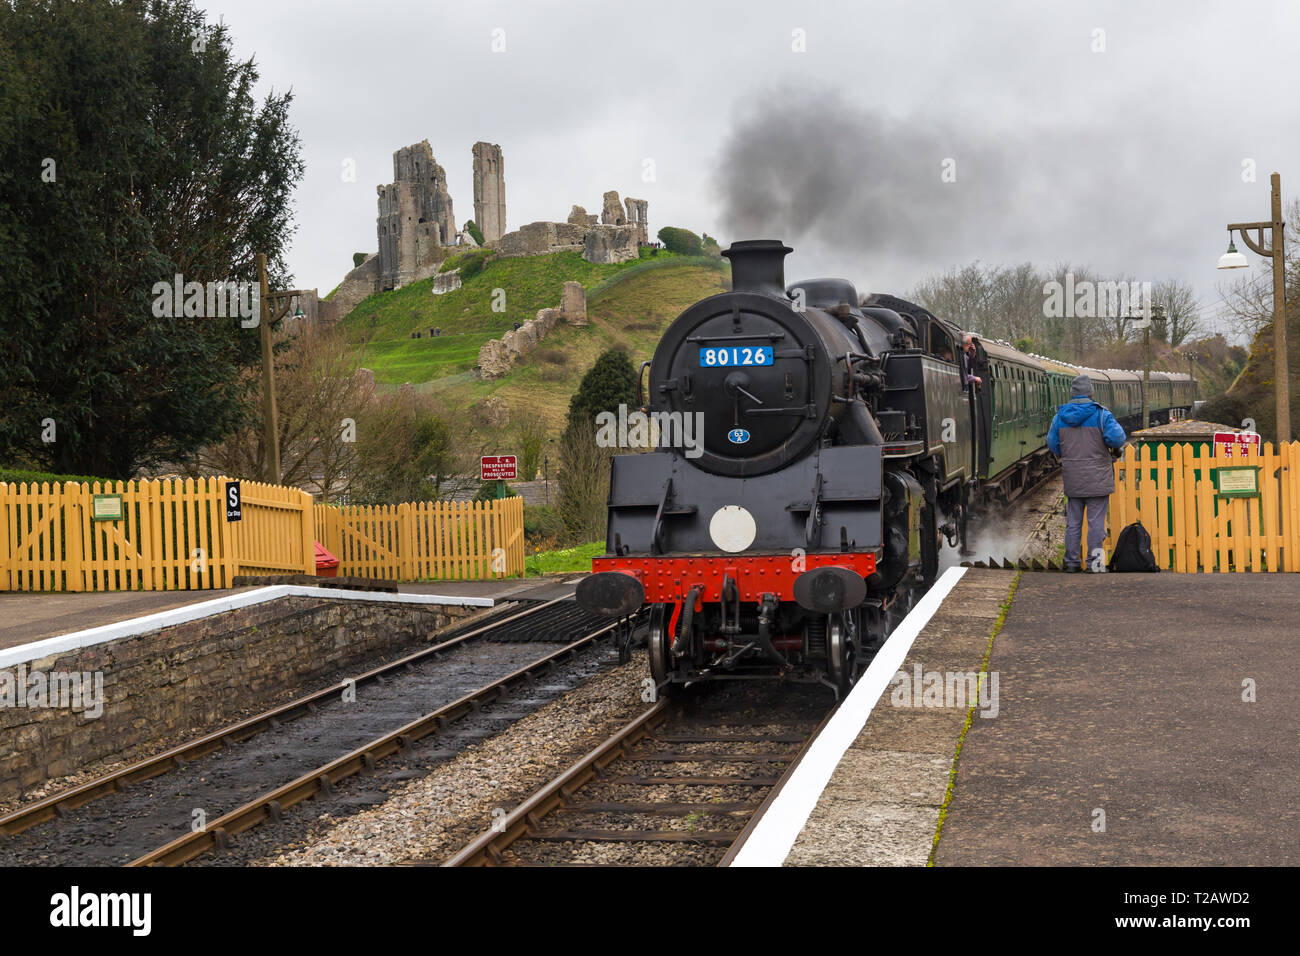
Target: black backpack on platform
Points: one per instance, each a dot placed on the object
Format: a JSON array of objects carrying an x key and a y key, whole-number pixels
[{"x": 1133, "y": 550}]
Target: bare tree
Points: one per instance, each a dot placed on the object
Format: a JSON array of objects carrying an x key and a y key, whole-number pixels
[
  {"x": 320, "y": 396},
  {"x": 584, "y": 483},
  {"x": 1183, "y": 320},
  {"x": 963, "y": 296},
  {"x": 1017, "y": 303}
]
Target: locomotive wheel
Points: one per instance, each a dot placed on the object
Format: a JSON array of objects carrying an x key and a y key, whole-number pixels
[
  {"x": 842, "y": 649},
  {"x": 660, "y": 649}
]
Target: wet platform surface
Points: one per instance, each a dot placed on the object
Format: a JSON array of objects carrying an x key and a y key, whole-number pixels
[
  {"x": 26, "y": 616},
  {"x": 1139, "y": 720},
  {"x": 1128, "y": 695}
]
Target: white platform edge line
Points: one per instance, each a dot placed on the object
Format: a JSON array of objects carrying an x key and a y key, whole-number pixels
[
  {"x": 771, "y": 841},
  {"x": 131, "y": 627}
]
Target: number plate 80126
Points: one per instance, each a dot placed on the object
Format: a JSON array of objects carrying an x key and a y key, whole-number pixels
[{"x": 721, "y": 356}]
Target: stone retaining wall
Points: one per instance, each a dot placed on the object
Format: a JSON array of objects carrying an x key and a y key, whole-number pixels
[{"x": 173, "y": 684}]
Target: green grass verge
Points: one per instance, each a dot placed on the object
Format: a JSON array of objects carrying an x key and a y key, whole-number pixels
[
  {"x": 381, "y": 326},
  {"x": 970, "y": 717},
  {"x": 567, "y": 560},
  {"x": 630, "y": 314}
]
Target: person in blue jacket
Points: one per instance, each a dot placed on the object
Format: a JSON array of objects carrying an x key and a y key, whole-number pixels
[{"x": 1080, "y": 435}]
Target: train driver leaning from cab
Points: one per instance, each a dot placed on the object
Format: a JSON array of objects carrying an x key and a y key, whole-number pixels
[{"x": 969, "y": 357}]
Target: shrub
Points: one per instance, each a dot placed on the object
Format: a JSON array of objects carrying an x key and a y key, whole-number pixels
[
  {"x": 18, "y": 476},
  {"x": 542, "y": 523},
  {"x": 358, "y": 258},
  {"x": 470, "y": 262},
  {"x": 487, "y": 491},
  {"x": 552, "y": 356},
  {"x": 473, "y": 263},
  {"x": 681, "y": 241},
  {"x": 584, "y": 466},
  {"x": 472, "y": 228}
]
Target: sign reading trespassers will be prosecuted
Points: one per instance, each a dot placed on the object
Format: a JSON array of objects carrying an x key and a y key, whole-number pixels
[
  {"x": 498, "y": 468},
  {"x": 1234, "y": 444}
]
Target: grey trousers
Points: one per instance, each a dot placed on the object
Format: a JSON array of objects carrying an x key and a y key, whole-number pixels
[{"x": 1074, "y": 529}]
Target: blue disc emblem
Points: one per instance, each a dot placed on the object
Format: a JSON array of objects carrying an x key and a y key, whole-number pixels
[{"x": 738, "y": 436}]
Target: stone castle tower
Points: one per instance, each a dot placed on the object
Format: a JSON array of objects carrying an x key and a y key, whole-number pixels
[
  {"x": 489, "y": 191},
  {"x": 415, "y": 216}
]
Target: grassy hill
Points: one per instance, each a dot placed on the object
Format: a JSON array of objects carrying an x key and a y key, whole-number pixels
[
  {"x": 630, "y": 311},
  {"x": 381, "y": 325},
  {"x": 628, "y": 305}
]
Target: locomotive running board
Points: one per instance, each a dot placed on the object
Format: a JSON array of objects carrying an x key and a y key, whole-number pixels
[{"x": 902, "y": 449}]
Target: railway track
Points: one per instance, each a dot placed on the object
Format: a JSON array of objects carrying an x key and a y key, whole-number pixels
[
  {"x": 679, "y": 784},
  {"x": 145, "y": 813}
]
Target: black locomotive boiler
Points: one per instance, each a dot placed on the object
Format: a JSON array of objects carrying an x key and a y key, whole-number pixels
[{"x": 840, "y": 446}]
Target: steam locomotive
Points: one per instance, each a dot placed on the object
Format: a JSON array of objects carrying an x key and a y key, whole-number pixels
[{"x": 842, "y": 442}]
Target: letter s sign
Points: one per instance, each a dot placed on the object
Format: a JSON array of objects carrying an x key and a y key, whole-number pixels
[{"x": 234, "y": 508}]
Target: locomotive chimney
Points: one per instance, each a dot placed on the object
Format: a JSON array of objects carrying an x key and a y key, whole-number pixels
[{"x": 758, "y": 265}]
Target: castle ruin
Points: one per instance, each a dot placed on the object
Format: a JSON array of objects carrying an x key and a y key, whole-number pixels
[
  {"x": 416, "y": 228},
  {"x": 489, "y": 191},
  {"x": 415, "y": 217}
]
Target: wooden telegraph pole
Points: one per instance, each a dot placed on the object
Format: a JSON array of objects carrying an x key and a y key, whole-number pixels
[
  {"x": 1276, "y": 252},
  {"x": 274, "y": 306},
  {"x": 270, "y": 417}
]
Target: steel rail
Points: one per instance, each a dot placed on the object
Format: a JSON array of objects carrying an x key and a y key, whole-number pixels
[
  {"x": 57, "y": 804},
  {"x": 270, "y": 806},
  {"x": 485, "y": 850},
  {"x": 772, "y": 794},
  {"x": 524, "y": 822}
]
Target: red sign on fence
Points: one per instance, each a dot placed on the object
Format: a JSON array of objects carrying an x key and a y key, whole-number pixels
[
  {"x": 1234, "y": 444},
  {"x": 498, "y": 468}
]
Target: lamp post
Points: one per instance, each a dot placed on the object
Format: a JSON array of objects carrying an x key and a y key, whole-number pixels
[
  {"x": 1276, "y": 250},
  {"x": 1155, "y": 313}
]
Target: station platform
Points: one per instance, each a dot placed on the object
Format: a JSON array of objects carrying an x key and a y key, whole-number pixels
[
  {"x": 27, "y": 617},
  {"x": 1126, "y": 719}
]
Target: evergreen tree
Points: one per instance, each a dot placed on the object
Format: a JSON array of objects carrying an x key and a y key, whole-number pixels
[
  {"x": 134, "y": 151},
  {"x": 584, "y": 467},
  {"x": 682, "y": 241}
]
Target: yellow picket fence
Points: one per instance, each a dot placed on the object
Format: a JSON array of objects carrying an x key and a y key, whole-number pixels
[
  {"x": 174, "y": 535},
  {"x": 1193, "y": 526},
  {"x": 429, "y": 539},
  {"x": 161, "y": 535}
]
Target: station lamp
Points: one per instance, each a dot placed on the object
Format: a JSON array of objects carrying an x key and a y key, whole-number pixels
[{"x": 1232, "y": 259}]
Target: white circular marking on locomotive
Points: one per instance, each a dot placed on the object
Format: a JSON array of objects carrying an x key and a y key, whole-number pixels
[{"x": 732, "y": 528}]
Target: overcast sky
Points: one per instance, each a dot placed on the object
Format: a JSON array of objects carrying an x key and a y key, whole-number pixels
[{"x": 1128, "y": 159}]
